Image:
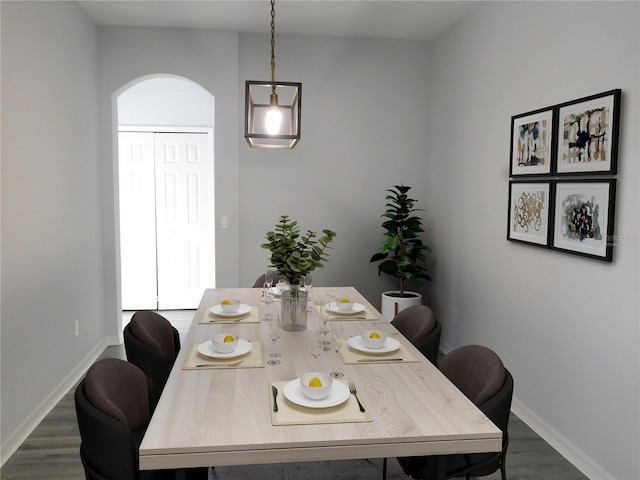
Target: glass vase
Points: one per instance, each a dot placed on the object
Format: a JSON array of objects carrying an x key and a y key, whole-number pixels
[{"x": 294, "y": 309}]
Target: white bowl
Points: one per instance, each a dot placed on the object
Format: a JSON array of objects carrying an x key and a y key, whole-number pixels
[
  {"x": 344, "y": 304},
  {"x": 373, "y": 342},
  {"x": 316, "y": 393},
  {"x": 230, "y": 305},
  {"x": 219, "y": 345}
]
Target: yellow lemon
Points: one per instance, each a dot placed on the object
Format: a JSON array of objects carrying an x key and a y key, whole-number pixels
[
  {"x": 226, "y": 302},
  {"x": 374, "y": 335},
  {"x": 228, "y": 338},
  {"x": 344, "y": 300},
  {"x": 315, "y": 382}
]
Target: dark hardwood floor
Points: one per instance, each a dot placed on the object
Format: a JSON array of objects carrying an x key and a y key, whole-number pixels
[{"x": 51, "y": 451}]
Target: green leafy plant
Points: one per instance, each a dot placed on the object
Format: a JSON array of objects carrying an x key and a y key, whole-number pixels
[
  {"x": 295, "y": 255},
  {"x": 401, "y": 255}
]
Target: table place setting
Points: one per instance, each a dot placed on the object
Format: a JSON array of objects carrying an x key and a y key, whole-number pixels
[
  {"x": 343, "y": 308},
  {"x": 224, "y": 351},
  {"x": 374, "y": 346},
  {"x": 230, "y": 310},
  {"x": 270, "y": 295},
  {"x": 315, "y": 398}
]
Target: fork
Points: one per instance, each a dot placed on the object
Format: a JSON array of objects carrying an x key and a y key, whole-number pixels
[
  {"x": 352, "y": 389},
  {"x": 225, "y": 319},
  {"x": 232, "y": 364}
]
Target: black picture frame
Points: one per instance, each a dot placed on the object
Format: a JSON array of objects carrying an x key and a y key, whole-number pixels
[
  {"x": 584, "y": 215},
  {"x": 587, "y": 132},
  {"x": 532, "y": 143},
  {"x": 530, "y": 212}
]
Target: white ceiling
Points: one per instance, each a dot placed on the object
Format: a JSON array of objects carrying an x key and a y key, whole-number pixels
[{"x": 397, "y": 19}]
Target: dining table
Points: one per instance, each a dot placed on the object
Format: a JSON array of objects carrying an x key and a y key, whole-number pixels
[{"x": 237, "y": 409}]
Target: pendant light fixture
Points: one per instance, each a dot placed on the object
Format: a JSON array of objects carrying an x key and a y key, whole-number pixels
[{"x": 272, "y": 109}]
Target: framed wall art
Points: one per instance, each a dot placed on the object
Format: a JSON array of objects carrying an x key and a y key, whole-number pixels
[
  {"x": 531, "y": 143},
  {"x": 529, "y": 218},
  {"x": 583, "y": 217},
  {"x": 587, "y": 132}
]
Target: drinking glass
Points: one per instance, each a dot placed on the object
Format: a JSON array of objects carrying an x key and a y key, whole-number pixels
[
  {"x": 315, "y": 345},
  {"x": 336, "y": 342},
  {"x": 307, "y": 283},
  {"x": 275, "y": 330},
  {"x": 325, "y": 330},
  {"x": 267, "y": 295},
  {"x": 268, "y": 278},
  {"x": 268, "y": 301}
]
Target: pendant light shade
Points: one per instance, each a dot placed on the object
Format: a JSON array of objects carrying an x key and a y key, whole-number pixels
[
  {"x": 272, "y": 109},
  {"x": 262, "y": 106}
]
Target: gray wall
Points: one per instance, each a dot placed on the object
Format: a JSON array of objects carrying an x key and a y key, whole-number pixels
[
  {"x": 375, "y": 113},
  {"x": 209, "y": 58},
  {"x": 52, "y": 253},
  {"x": 364, "y": 118},
  {"x": 567, "y": 327}
]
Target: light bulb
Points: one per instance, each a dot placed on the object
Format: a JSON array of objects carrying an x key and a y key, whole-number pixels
[{"x": 273, "y": 120}]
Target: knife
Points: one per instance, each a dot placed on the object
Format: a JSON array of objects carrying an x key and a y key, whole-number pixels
[
  {"x": 275, "y": 398},
  {"x": 380, "y": 360}
]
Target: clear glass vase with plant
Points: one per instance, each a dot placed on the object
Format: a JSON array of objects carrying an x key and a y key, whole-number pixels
[{"x": 294, "y": 255}]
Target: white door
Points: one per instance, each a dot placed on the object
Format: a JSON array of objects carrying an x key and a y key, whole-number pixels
[
  {"x": 138, "y": 221},
  {"x": 184, "y": 203},
  {"x": 167, "y": 222}
]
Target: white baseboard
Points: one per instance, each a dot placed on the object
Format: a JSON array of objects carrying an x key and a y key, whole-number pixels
[
  {"x": 115, "y": 339},
  {"x": 17, "y": 438},
  {"x": 560, "y": 443}
]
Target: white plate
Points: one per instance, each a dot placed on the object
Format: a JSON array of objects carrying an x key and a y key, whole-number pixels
[
  {"x": 357, "y": 308},
  {"x": 243, "y": 346},
  {"x": 242, "y": 310},
  {"x": 339, "y": 394},
  {"x": 390, "y": 345}
]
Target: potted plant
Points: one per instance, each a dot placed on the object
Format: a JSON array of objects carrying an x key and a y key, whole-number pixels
[
  {"x": 294, "y": 256},
  {"x": 402, "y": 253}
]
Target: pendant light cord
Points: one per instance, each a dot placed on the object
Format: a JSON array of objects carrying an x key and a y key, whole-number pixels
[{"x": 273, "y": 41}]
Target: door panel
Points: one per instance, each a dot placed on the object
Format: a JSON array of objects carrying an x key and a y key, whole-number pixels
[
  {"x": 185, "y": 228},
  {"x": 137, "y": 221}
]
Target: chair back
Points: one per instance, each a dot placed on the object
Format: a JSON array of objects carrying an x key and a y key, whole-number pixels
[
  {"x": 479, "y": 373},
  {"x": 419, "y": 325},
  {"x": 476, "y": 370},
  {"x": 152, "y": 344},
  {"x": 113, "y": 410}
]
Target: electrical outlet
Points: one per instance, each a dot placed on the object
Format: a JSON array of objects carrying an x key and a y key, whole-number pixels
[{"x": 77, "y": 327}]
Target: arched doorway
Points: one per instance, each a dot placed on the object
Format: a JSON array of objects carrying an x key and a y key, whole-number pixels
[{"x": 166, "y": 193}]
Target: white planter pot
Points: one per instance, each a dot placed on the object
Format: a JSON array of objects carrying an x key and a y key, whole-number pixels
[{"x": 390, "y": 305}]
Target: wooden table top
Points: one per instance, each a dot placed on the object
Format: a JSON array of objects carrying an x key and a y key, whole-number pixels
[{"x": 223, "y": 416}]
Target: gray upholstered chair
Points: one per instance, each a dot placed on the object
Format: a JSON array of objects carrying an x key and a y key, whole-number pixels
[
  {"x": 152, "y": 344},
  {"x": 420, "y": 326},
  {"x": 479, "y": 373},
  {"x": 114, "y": 403}
]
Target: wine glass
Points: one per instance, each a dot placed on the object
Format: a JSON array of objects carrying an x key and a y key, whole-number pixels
[
  {"x": 315, "y": 346},
  {"x": 336, "y": 342},
  {"x": 268, "y": 278},
  {"x": 325, "y": 330},
  {"x": 267, "y": 295},
  {"x": 268, "y": 300},
  {"x": 307, "y": 283},
  {"x": 275, "y": 329}
]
